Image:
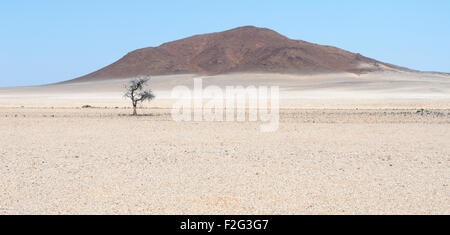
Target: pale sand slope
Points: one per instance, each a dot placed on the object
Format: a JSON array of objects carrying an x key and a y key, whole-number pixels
[
  {"x": 96, "y": 161},
  {"x": 389, "y": 89}
]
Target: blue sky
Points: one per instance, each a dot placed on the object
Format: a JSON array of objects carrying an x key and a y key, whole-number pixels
[{"x": 48, "y": 41}]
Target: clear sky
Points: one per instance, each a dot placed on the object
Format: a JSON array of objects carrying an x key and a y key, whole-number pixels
[{"x": 52, "y": 40}]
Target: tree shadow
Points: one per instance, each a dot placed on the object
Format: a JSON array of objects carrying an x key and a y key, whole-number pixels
[{"x": 142, "y": 115}]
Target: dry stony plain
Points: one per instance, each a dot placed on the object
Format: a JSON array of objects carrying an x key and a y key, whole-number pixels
[{"x": 368, "y": 157}]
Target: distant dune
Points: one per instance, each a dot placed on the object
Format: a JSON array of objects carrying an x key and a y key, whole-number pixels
[
  {"x": 244, "y": 49},
  {"x": 388, "y": 89}
]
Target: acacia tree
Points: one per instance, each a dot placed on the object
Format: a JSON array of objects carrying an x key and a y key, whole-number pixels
[{"x": 137, "y": 92}]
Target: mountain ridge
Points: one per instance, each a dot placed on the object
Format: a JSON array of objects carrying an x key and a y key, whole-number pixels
[{"x": 242, "y": 49}]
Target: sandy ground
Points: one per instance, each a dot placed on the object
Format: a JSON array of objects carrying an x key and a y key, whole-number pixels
[
  {"x": 66, "y": 161},
  {"x": 355, "y": 147}
]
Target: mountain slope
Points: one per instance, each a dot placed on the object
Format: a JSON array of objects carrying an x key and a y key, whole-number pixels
[{"x": 244, "y": 49}]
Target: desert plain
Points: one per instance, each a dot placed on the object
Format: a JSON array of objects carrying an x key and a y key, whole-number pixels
[{"x": 346, "y": 144}]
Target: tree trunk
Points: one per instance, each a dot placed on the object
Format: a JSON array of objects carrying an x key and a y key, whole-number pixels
[{"x": 134, "y": 111}]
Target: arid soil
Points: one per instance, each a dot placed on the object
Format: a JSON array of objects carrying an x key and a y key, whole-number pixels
[
  {"x": 320, "y": 161},
  {"x": 346, "y": 144}
]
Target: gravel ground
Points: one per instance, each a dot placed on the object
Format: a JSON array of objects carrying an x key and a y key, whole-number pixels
[{"x": 101, "y": 161}]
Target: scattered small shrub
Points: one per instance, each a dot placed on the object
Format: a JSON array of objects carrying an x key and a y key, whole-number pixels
[
  {"x": 423, "y": 111},
  {"x": 86, "y": 106}
]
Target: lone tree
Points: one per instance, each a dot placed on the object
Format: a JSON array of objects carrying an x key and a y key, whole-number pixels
[{"x": 137, "y": 92}]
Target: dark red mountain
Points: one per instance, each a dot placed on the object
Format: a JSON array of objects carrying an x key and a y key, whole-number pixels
[{"x": 244, "y": 49}]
